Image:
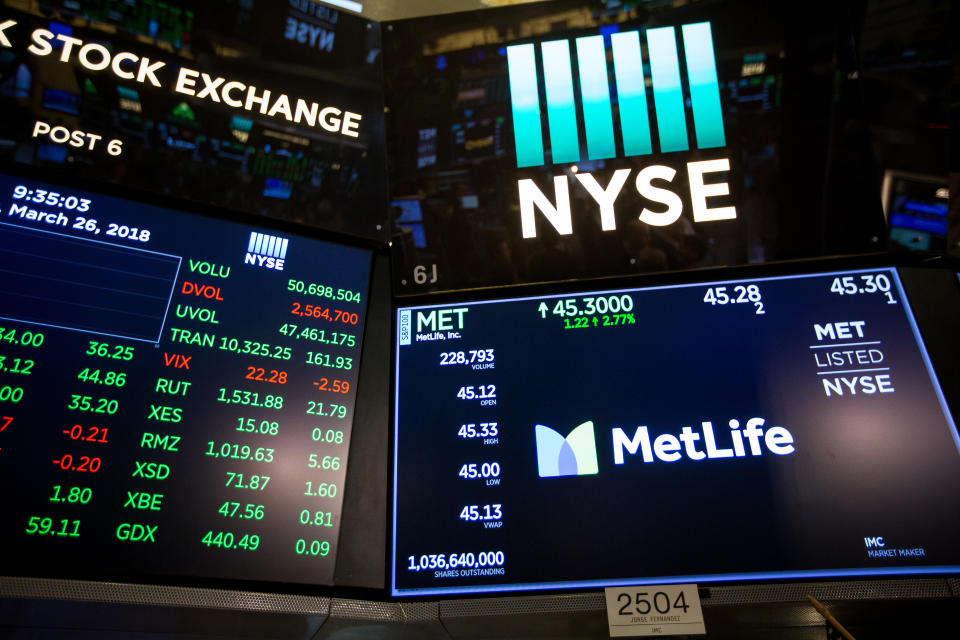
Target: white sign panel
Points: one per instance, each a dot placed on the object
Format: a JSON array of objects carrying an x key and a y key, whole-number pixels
[{"x": 652, "y": 610}]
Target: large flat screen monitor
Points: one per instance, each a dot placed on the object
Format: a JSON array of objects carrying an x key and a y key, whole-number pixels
[
  {"x": 176, "y": 390},
  {"x": 767, "y": 428}
]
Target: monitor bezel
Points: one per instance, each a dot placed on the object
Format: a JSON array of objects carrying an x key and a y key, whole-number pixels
[
  {"x": 706, "y": 276},
  {"x": 189, "y": 207}
]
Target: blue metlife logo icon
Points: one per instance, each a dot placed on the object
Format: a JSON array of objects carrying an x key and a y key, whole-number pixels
[
  {"x": 265, "y": 251},
  {"x": 597, "y": 112},
  {"x": 575, "y": 455}
]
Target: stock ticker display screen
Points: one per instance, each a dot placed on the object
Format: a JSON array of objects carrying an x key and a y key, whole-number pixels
[
  {"x": 176, "y": 391},
  {"x": 781, "y": 427}
]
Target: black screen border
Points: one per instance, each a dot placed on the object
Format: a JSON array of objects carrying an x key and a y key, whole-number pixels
[
  {"x": 945, "y": 372},
  {"x": 373, "y": 247}
]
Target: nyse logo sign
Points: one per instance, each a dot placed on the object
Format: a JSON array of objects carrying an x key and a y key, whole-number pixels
[
  {"x": 265, "y": 251},
  {"x": 596, "y": 113},
  {"x": 631, "y": 93}
]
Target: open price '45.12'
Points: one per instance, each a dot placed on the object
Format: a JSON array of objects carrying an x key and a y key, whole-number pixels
[{"x": 481, "y": 392}]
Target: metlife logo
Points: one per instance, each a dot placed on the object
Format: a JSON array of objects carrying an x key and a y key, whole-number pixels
[
  {"x": 751, "y": 440},
  {"x": 595, "y": 111},
  {"x": 576, "y": 454}
]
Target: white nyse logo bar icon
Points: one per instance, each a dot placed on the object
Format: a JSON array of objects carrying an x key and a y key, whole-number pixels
[{"x": 266, "y": 251}]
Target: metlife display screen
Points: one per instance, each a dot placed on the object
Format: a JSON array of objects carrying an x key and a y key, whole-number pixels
[
  {"x": 176, "y": 391},
  {"x": 778, "y": 427}
]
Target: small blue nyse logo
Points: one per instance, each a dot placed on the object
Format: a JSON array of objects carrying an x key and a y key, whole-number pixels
[
  {"x": 266, "y": 251},
  {"x": 597, "y": 113}
]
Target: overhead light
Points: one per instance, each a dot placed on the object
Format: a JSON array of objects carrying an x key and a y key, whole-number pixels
[{"x": 349, "y": 5}]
